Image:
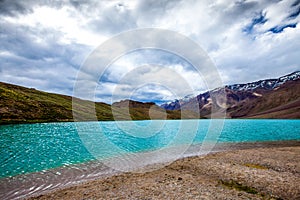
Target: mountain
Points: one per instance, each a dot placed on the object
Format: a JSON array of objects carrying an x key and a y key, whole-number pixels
[
  {"x": 23, "y": 105},
  {"x": 149, "y": 110},
  {"x": 27, "y": 105},
  {"x": 270, "y": 98},
  {"x": 281, "y": 102},
  {"x": 268, "y": 84}
]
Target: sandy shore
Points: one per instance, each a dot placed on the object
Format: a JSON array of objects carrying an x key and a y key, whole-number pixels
[{"x": 250, "y": 171}]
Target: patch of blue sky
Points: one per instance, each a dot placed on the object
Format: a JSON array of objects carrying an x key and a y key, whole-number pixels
[
  {"x": 260, "y": 19},
  {"x": 279, "y": 29}
]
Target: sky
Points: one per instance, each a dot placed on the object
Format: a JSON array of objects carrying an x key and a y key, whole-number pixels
[{"x": 44, "y": 44}]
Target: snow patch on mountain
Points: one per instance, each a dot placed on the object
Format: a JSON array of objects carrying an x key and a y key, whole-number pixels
[
  {"x": 237, "y": 89},
  {"x": 268, "y": 84}
]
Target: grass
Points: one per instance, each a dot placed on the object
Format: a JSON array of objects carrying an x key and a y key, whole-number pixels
[
  {"x": 26, "y": 105},
  {"x": 232, "y": 184},
  {"x": 256, "y": 166},
  {"x": 235, "y": 185}
]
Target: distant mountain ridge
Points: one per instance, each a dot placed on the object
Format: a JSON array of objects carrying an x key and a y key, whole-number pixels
[
  {"x": 246, "y": 100},
  {"x": 267, "y": 84},
  {"x": 27, "y": 105},
  {"x": 271, "y": 98}
]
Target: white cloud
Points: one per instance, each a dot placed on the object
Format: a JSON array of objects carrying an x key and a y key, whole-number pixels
[
  {"x": 67, "y": 21},
  {"x": 42, "y": 45}
]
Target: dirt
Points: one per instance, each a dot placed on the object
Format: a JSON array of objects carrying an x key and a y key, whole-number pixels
[{"x": 259, "y": 173}]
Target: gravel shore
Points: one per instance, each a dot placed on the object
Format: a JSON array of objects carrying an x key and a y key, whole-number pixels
[{"x": 265, "y": 171}]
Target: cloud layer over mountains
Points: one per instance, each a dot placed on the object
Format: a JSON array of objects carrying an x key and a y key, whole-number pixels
[{"x": 44, "y": 43}]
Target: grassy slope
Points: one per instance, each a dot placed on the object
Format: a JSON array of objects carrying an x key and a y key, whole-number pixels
[
  {"x": 20, "y": 104},
  {"x": 24, "y": 105}
]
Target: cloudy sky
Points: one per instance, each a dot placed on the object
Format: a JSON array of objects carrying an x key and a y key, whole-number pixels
[{"x": 43, "y": 44}]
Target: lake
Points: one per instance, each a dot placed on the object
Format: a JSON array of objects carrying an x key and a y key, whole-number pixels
[
  {"x": 34, "y": 147},
  {"x": 28, "y": 148}
]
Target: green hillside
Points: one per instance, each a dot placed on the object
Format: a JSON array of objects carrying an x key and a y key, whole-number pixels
[
  {"x": 27, "y": 105},
  {"x": 19, "y": 104}
]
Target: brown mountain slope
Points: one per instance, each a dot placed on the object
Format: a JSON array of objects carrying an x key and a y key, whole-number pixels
[
  {"x": 269, "y": 98},
  {"x": 281, "y": 102},
  {"x": 24, "y": 105},
  {"x": 129, "y": 109}
]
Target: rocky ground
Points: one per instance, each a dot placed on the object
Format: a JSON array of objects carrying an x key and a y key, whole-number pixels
[{"x": 259, "y": 173}]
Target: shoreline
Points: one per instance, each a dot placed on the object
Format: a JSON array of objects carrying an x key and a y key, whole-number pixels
[
  {"x": 79, "y": 188},
  {"x": 21, "y": 121}
]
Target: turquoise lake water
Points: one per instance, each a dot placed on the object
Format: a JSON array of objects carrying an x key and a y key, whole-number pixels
[{"x": 29, "y": 148}]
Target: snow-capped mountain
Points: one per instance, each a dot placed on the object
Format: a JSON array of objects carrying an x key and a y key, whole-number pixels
[
  {"x": 241, "y": 98},
  {"x": 175, "y": 105},
  {"x": 268, "y": 84}
]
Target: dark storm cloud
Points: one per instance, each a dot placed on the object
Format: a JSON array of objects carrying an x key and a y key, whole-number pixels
[
  {"x": 23, "y": 41},
  {"x": 237, "y": 10},
  {"x": 23, "y": 7},
  {"x": 55, "y": 74},
  {"x": 295, "y": 11},
  {"x": 83, "y": 4},
  {"x": 14, "y": 7},
  {"x": 113, "y": 19},
  {"x": 243, "y": 6},
  {"x": 153, "y": 8},
  {"x": 296, "y": 3},
  {"x": 34, "y": 57}
]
